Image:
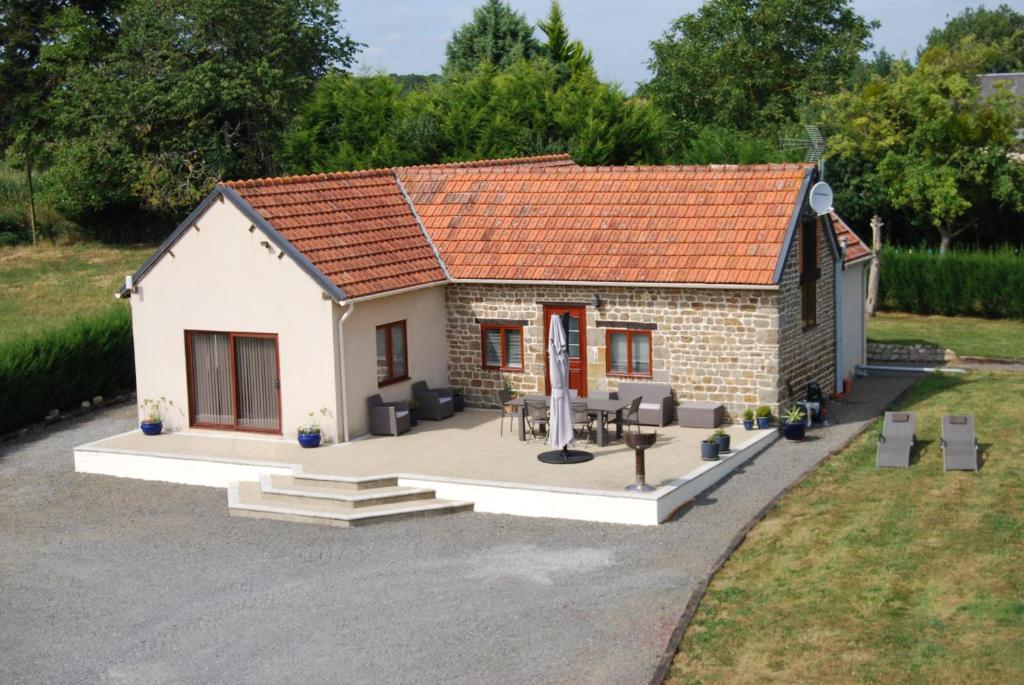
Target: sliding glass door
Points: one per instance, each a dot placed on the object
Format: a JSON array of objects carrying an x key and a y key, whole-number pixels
[{"x": 233, "y": 381}]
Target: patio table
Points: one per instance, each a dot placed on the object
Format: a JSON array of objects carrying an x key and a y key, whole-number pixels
[{"x": 603, "y": 409}]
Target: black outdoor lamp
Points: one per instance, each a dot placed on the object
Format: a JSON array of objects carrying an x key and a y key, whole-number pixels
[{"x": 595, "y": 301}]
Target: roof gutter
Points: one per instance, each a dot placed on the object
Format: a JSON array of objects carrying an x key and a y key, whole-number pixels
[
  {"x": 619, "y": 284},
  {"x": 399, "y": 291}
]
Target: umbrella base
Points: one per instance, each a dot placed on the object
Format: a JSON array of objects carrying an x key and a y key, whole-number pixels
[
  {"x": 565, "y": 457},
  {"x": 640, "y": 487}
]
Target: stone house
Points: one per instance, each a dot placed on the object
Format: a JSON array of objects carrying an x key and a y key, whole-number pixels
[{"x": 280, "y": 297}]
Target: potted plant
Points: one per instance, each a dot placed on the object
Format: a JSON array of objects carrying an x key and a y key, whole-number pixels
[
  {"x": 764, "y": 416},
  {"x": 309, "y": 434},
  {"x": 723, "y": 440},
  {"x": 152, "y": 410},
  {"x": 748, "y": 419},
  {"x": 413, "y": 418},
  {"x": 709, "y": 448},
  {"x": 794, "y": 424},
  {"x": 459, "y": 399}
]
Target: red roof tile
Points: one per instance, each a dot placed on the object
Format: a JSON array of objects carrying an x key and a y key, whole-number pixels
[
  {"x": 357, "y": 227},
  {"x": 855, "y": 247},
  {"x": 645, "y": 224}
]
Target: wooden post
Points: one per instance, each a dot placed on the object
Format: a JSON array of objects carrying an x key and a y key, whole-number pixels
[
  {"x": 31, "y": 197},
  {"x": 871, "y": 302}
]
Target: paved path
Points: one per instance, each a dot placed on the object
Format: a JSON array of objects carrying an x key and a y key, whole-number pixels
[{"x": 111, "y": 580}]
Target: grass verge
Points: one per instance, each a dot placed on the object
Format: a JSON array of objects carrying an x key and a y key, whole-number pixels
[
  {"x": 42, "y": 288},
  {"x": 890, "y": 576},
  {"x": 969, "y": 337}
]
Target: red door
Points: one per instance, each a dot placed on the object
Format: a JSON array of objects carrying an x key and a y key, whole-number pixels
[{"x": 577, "y": 347}]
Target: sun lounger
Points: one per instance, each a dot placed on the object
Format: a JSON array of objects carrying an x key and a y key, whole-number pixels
[
  {"x": 959, "y": 443},
  {"x": 897, "y": 440}
]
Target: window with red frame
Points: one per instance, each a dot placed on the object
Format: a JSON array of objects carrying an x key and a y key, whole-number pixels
[
  {"x": 502, "y": 347},
  {"x": 392, "y": 353},
  {"x": 629, "y": 353}
]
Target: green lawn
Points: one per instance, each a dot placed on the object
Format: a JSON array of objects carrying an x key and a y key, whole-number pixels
[
  {"x": 967, "y": 336},
  {"x": 882, "y": 576},
  {"x": 42, "y": 287}
]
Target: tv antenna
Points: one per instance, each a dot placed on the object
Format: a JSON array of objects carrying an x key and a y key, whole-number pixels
[{"x": 813, "y": 143}]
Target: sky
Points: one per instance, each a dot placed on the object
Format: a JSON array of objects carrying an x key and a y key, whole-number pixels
[{"x": 409, "y": 36}]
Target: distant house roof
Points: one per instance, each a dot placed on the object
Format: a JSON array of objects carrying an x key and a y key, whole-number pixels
[
  {"x": 700, "y": 225},
  {"x": 855, "y": 247},
  {"x": 1014, "y": 81}
]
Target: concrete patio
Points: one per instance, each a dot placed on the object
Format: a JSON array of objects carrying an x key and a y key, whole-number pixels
[{"x": 461, "y": 459}]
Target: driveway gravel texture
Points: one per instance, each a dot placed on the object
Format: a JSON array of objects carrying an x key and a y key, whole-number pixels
[{"x": 109, "y": 580}]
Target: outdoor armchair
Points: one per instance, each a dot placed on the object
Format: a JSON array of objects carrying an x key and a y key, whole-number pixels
[
  {"x": 657, "y": 405},
  {"x": 387, "y": 418},
  {"x": 435, "y": 403}
]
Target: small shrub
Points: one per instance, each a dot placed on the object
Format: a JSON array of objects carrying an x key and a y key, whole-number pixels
[{"x": 61, "y": 367}]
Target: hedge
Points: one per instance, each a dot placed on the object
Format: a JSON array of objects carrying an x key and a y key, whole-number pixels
[
  {"x": 61, "y": 367},
  {"x": 983, "y": 283}
]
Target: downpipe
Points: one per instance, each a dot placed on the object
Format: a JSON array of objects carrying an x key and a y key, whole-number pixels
[{"x": 350, "y": 307}]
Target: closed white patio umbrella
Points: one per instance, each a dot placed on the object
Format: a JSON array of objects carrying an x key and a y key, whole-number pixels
[
  {"x": 560, "y": 433},
  {"x": 560, "y": 429}
]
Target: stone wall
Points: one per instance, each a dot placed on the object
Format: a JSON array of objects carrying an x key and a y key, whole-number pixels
[
  {"x": 710, "y": 344},
  {"x": 914, "y": 354},
  {"x": 807, "y": 354}
]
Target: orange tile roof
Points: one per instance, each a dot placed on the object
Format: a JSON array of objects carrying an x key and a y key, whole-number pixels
[
  {"x": 855, "y": 247},
  {"x": 709, "y": 225},
  {"x": 357, "y": 227}
]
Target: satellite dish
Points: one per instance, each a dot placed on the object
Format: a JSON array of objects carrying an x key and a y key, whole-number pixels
[{"x": 821, "y": 198}]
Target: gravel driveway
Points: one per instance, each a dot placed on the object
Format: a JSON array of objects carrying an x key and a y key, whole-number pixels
[{"x": 111, "y": 580}]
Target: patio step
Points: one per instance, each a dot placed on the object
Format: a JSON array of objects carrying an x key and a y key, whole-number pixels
[
  {"x": 280, "y": 488},
  {"x": 246, "y": 498},
  {"x": 348, "y": 482}
]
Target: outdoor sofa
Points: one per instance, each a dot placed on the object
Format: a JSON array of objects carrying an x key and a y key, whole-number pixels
[
  {"x": 435, "y": 403},
  {"x": 657, "y": 405},
  {"x": 387, "y": 418}
]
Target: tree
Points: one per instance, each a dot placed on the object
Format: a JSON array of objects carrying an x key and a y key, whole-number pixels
[
  {"x": 559, "y": 48},
  {"x": 25, "y": 88},
  {"x": 1002, "y": 26},
  {"x": 749, "y": 64},
  {"x": 189, "y": 93},
  {"x": 526, "y": 109},
  {"x": 924, "y": 141},
  {"x": 497, "y": 35}
]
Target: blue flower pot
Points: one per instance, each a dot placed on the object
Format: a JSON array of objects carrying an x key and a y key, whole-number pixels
[
  {"x": 709, "y": 451},
  {"x": 764, "y": 421},
  {"x": 459, "y": 402},
  {"x": 794, "y": 432},
  {"x": 723, "y": 443},
  {"x": 748, "y": 424},
  {"x": 309, "y": 439},
  {"x": 152, "y": 428}
]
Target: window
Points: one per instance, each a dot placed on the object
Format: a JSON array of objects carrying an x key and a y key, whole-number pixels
[
  {"x": 233, "y": 381},
  {"x": 629, "y": 353},
  {"x": 809, "y": 273},
  {"x": 502, "y": 347},
  {"x": 392, "y": 353}
]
